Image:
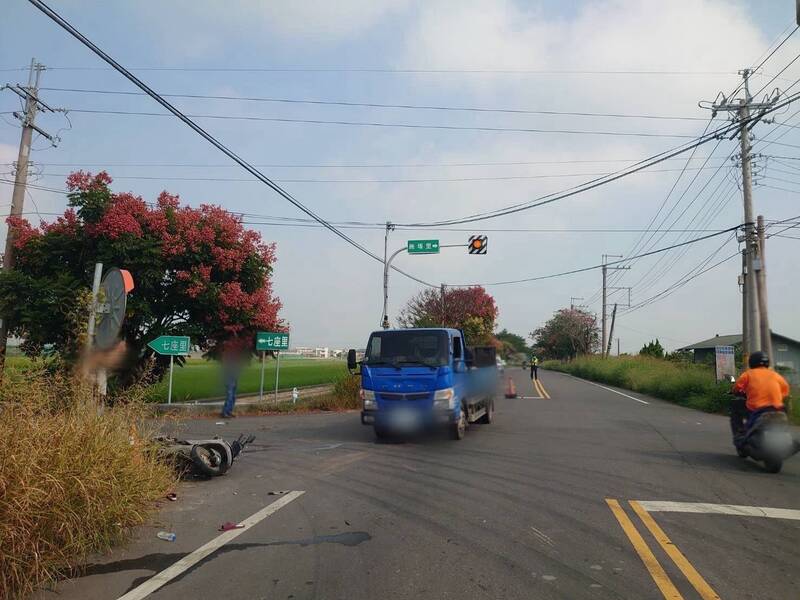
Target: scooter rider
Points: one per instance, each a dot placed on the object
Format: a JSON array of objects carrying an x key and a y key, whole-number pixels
[{"x": 762, "y": 389}]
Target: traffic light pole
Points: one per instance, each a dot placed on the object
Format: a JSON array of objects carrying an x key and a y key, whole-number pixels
[{"x": 387, "y": 264}]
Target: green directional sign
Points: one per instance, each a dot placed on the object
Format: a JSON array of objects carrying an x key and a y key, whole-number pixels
[
  {"x": 171, "y": 345},
  {"x": 423, "y": 246},
  {"x": 272, "y": 340}
]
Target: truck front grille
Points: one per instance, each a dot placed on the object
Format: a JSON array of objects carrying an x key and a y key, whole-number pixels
[{"x": 401, "y": 397}]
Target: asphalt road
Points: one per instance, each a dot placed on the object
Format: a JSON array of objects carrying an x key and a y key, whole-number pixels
[{"x": 521, "y": 508}]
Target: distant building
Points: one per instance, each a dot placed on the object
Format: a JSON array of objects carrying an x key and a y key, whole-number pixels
[
  {"x": 312, "y": 352},
  {"x": 786, "y": 351}
]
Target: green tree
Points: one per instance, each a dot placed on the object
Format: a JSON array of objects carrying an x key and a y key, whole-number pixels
[
  {"x": 654, "y": 349},
  {"x": 197, "y": 272},
  {"x": 511, "y": 344},
  {"x": 570, "y": 332}
]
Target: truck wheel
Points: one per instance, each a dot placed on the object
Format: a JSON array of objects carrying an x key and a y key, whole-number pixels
[
  {"x": 381, "y": 433},
  {"x": 488, "y": 417},
  {"x": 773, "y": 466},
  {"x": 459, "y": 428}
]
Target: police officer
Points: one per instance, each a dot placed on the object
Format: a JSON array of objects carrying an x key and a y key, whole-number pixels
[{"x": 534, "y": 367}]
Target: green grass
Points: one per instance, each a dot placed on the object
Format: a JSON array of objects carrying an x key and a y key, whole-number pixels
[
  {"x": 200, "y": 378},
  {"x": 682, "y": 383}
]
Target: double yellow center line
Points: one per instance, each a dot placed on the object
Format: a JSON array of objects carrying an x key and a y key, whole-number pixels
[
  {"x": 539, "y": 389},
  {"x": 657, "y": 572}
]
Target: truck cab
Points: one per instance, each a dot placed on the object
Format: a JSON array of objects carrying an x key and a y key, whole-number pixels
[{"x": 422, "y": 378}]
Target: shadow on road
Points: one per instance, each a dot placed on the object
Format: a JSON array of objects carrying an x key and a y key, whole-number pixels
[{"x": 158, "y": 561}]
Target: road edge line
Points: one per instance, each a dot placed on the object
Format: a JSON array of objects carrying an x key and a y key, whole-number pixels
[
  {"x": 657, "y": 572},
  {"x": 701, "y": 585},
  {"x": 605, "y": 388},
  {"x": 177, "y": 568}
]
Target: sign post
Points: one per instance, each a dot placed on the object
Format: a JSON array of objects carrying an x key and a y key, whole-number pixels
[
  {"x": 271, "y": 340},
  {"x": 725, "y": 364},
  {"x": 172, "y": 346}
]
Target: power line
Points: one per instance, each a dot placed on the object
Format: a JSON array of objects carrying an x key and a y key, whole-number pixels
[
  {"x": 592, "y": 184},
  {"x": 352, "y": 165},
  {"x": 280, "y": 221},
  {"x": 345, "y": 103},
  {"x": 672, "y": 289},
  {"x": 207, "y": 136},
  {"x": 343, "y": 69},
  {"x": 600, "y": 266},
  {"x": 383, "y": 125},
  {"x": 407, "y": 180}
]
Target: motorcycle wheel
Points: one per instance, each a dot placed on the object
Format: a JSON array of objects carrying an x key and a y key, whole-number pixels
[
  {"x": 206, "y": 461},
  {"x": 773, "y": 466}
]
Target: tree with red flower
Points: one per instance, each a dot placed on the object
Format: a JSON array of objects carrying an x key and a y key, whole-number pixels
[{"x": 198, "y": 272}]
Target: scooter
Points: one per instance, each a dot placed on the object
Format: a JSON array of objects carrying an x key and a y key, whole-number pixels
[
  {"x": 206, "y": 458},
  {"x": 768, "y": 438}
]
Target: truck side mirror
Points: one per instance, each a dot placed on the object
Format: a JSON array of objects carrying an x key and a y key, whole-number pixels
[{"x": 351, "y": 360}]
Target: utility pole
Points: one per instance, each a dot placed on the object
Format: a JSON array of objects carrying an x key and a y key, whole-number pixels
[
  {"x": 745, "y": 324},
  {"x": 617, "y": 346},
  {"x": 752, "y": 318},
  {"x": 605, "y": 294},
  {"x": 442, "y": 305},
  {"x": 385, "y": 317},
  {"x": 30, "y": 95},
  {"x": 611, "y": 332},
  {"x": 572, "y": 301},
  {"x": 761, "y": 282}
]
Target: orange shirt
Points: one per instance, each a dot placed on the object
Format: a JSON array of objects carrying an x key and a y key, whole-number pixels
[{"x": 763, "y": 387}]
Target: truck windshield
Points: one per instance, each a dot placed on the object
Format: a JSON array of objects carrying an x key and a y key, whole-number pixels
[{"x": 397, "y": 348}]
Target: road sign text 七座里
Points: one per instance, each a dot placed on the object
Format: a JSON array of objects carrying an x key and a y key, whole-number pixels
[
  {"x": 171, "y": 345},
  {"x": 271, "y": 340}
]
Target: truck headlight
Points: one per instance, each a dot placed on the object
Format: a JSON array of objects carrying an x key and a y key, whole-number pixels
[
  {"x": 368, "y": 398},
  {"x": 445, "y": 398}
]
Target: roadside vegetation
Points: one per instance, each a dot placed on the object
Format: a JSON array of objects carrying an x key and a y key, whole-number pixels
[
  {"x": 678, "y": 381},
  {"x": 199, "y": 379},
  {"x": 73, "y": 480},
  {"x": 343, "y": 396}
]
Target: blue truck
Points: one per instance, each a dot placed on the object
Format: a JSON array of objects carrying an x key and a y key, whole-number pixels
[{"x": 425, "y": 378}]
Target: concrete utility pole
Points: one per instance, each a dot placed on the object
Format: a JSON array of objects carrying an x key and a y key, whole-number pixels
[
  {"x": 761, "y": 283},
  {"x": 572, "y": 301},
  {"x": 30, "y": 95},
  {"x": 444, "y": 314},
  {"x": 385, "y": 317},
  {"x": 745, "y": 324},
  {"x": 754, "y": 335},
  {"x": 611, "y": 332},
  {"x": 605, "y": 294}
]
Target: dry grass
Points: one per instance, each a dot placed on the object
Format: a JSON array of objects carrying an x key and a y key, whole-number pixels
[{"x": 73, "y": 481}]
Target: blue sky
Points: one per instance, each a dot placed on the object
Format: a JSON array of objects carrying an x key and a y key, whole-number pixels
[{"x": 331, "y": 293}]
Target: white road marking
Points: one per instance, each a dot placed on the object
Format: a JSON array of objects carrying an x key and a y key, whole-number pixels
[
  {"x": 721, "y": 509},
  {"x": 188, "y": 561},
  {"x": 606, "y": 388}
]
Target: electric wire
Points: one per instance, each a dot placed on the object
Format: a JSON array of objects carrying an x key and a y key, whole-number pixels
[
  {"x": 208, "y": 137},
  {"x": 343, "y": 103}
]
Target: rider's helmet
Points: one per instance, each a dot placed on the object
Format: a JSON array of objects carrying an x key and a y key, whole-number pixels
[{"x": 758, "y": 359}]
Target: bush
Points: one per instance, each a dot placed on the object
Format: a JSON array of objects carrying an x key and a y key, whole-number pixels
[
  {"x": 687, "y": 384},
  {"x": 73, "y": 480},
  {"x": 346, "y": 388}
]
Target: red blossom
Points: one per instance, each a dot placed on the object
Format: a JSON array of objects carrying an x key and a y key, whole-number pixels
[
  {"x": 81, "y": 181},
  {"x": 23, "y": 231}
]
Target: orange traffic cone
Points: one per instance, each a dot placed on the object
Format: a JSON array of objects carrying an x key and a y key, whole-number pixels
[{"x": 511, "y": 389}]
